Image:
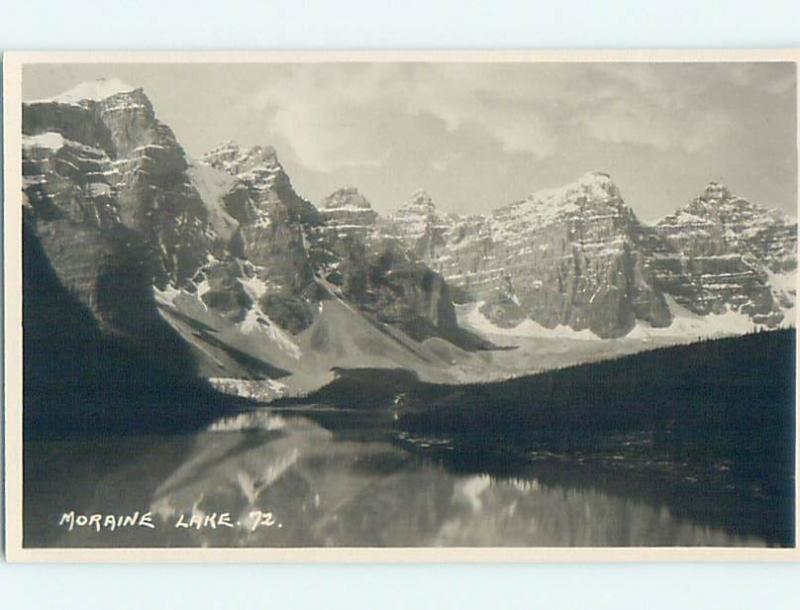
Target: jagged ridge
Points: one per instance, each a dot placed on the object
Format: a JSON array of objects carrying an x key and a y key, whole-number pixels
[
  {"x": 579, "y": 257},
  {"x": 247, "y": 271},
  {"x": 244, "y": 269}
]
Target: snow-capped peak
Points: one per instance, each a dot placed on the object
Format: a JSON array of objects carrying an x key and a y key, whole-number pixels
[
  {"x": 346, "y": 197},
  {"x": 717, "y": 203},
  {"x": 232, "y": 158},
  {"x": 593, "y": 186},
  {"x": 420, "y": 197},
  {"x": 420, "y": 202},
  {"x": 228, "y": 147},
  {"x": 96, "y": 90},
  {"x": 716, "y": 191},
  {"x": 266, "y": 154}
]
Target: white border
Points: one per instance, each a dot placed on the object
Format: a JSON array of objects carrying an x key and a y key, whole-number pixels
[{"x": 12, "y": 113}]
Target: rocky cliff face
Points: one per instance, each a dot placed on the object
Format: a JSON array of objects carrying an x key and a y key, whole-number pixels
[
  {"x": 560, "y": 257},
  {"x": 298, "y": 254},
  {"x": 420, "y": 225},
  {"x": 277, "y": 280},
  {"x": 222, "y": 262},
  {"x": 347, "y": 210},
  {"x": 223, "y": 249},
  {"x": 578, "y": 257},
  {"x": 108, "y": 195},
  {"x": 377, "y": 272},
  {"x": 725, "y": 251}
]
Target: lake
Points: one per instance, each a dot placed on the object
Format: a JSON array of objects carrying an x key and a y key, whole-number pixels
[{"x": 289, "y": 477}]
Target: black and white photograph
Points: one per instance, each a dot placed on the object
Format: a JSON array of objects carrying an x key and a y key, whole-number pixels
[{"x": 381, "y": 303}]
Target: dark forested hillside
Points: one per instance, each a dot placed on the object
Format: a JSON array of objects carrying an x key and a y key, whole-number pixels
[
  {"x": 698, "y": 428},
  {"x": 731, "y": 399},
  {"x": 743, "y": 386},
  {"x": 717, "y": 415}
]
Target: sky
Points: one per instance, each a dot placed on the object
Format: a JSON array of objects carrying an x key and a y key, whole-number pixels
[{"x": 479, "y": 136}]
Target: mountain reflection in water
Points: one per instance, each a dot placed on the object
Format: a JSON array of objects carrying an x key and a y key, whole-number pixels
[{"x": 358, "y": 485}]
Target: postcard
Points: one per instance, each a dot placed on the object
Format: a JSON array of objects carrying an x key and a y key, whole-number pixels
[{"x": 401, "y": 306}]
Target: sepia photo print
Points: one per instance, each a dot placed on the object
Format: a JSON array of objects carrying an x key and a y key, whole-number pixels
[{"x": 401, "y": 303}]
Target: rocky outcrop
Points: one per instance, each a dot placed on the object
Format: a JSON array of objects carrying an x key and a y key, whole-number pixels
[
  {"x": 420, "y": 225},
  {"x": 579, "y": 257},
  {"x": 251, "y": 281},
  {"x": 263, "y": 192},
  {"x": 383, "y": 280},
  {"x": 296, "y": 255},
  {"x": 221, "y": 253},
  {"x": 376, "y": 271},
  {"x": 560, "y": 257},
  {"x": 724, "y": 251},
  {"x": 109, "y": 198},
  {"x": 348, "y": 210},
  {"x": 289, "y": 246},
  {"x": 278, "y": 282}
]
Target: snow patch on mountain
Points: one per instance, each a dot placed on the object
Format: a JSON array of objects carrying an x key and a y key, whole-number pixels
[
  {"x": 527, "y": 328},
  {"x": 96, "y": 90},
  {"x": 213, "y": 184},
  {"x": 256, "y": 321},
  {"x": 784, "y": 282},
  {"x": 168, "y": 295},
  {"x": 685, "y": 325},
  {"x": 784, "y": 291},
  {"x": 50, "y": 140},
  {"x": 256, "y": 286},
  {"x": 262, "y": 390},
  {"x": 692, "y": 326}
]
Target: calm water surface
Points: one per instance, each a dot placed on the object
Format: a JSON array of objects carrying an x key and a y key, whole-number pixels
[{"x": 286, "y": 480}]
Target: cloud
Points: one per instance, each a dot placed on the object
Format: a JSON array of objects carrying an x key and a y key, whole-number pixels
[
  {"x": 349, "y": 115},
  {"x": 685, "y": 107},
  {"x": 487, "y": 99},
  {"x": 623, "y": 122},
  {"x": 631, "y": 123}
]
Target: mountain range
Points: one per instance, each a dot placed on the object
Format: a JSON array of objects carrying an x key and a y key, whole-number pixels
[{"x": 271, "y": 294}]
